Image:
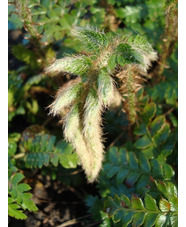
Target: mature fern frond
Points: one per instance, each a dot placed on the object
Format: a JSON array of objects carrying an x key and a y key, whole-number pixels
[
  {"x": 42, "y": 151},
  {"x": 14, "y": 210},
  {"x": 108, "y": 58},
  {"x": 133, "y": 170},
  {"x": 140, "y": 212},
  {"x": 19, "y": 199},
  {"x": 155, "y": 137}
]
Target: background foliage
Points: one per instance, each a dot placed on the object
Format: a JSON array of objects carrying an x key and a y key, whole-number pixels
[{"x": 138, "y": 183}]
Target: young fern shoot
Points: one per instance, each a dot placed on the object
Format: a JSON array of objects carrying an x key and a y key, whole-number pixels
[{"x": 111, "y": 64}]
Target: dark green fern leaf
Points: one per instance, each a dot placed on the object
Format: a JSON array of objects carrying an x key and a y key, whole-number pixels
[
  {"x": 147, "y": 213},
  {"x": 125, "y": 167},
  {"x": 24, "y": 54},
  {"x": 42, "y": 150},
  {"x": 19, "y": 198}
]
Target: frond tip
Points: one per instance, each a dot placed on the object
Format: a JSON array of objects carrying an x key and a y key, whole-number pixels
[
  {"x": 79, "y": 64},
  {"x": 92, "y": 38},
  {"x": 65, "y": 97},
  {"x": 108, "y": 59}
]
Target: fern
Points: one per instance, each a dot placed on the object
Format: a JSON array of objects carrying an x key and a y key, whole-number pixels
[
  {"x": 19, "y": 199},
  {"x": 131, "y": 168},
  {"x": 25, "y": 55},
  {"x": 146, "y": 213},
  {"x": 14, "y": 210},
  {"x": 155, "y": 138},
  {"x": 93, "y": 39},
  {"x": 36, "y": 152},
  {"x": 124, "y": 174},
  {"x": 129, "y": 209},
  {"x": 42, "y": 150},
  {"x": 77, "y": 65},
  {"x": 130, "y": 13},
  {"x": 13, "y": 138},
  {"x": 21, "y": 100},
  {"x": 108, "y": 59},
  {"x": 137, "y": 175}
]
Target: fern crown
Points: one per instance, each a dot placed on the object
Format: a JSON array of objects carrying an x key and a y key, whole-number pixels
[{"x": 110, "y": 66}]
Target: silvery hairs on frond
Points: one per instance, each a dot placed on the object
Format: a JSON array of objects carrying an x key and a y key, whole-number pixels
[
  {"x": 92, "y": 38},
  {"x": 77, "y": 64},
  {"x": 108, "y": 71}
]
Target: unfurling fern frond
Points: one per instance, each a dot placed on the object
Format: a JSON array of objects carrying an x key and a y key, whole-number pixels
[
  {"x": 112, "y": 64},
  {"x": 92, "y": 38},
  {"x": 79, "y": 64}
]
